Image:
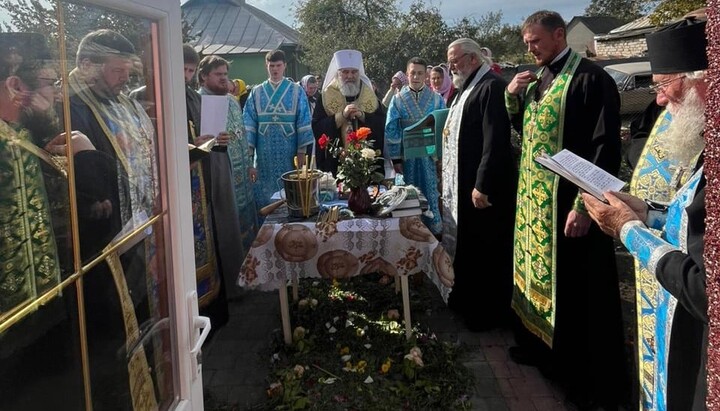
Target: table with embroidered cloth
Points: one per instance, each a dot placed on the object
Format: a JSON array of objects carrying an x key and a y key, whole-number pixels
[{"x": 288, "y": 250}]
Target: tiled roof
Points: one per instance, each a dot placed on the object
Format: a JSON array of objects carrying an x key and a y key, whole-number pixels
[{"x": 234, "y": 27}]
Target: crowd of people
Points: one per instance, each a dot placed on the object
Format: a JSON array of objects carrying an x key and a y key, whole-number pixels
[{"x": 530, "y": 250}]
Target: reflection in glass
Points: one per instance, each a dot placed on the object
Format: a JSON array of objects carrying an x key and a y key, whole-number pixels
[{"x": 118, "y": 220}]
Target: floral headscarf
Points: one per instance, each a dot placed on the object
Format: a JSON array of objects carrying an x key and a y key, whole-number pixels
[
  {"x": 304, "y": 81},
  {"x": 402, "y": 77}
]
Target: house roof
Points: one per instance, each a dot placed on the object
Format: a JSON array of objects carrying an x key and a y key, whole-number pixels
[
  {"x": 638, "y": 27},
  {"x": 597, "y": 24},
  {"x": 235, "y": 27}
]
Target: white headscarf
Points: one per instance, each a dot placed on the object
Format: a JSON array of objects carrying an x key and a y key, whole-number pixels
[{"x": 343, "y": 59}]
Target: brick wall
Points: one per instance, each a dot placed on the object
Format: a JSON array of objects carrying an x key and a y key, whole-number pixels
[{"x": 627, "y": 47}]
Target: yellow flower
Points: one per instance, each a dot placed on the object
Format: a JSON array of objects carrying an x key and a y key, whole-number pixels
[
  {"x": 385, "y": 368},
  {"x": 344, "y": 350}
]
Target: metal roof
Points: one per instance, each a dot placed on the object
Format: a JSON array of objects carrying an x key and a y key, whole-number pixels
[
  {"x": 638, "y": 27},
  {"x": 596, "y": 24},
  {"x": 234, "y": 27},
  {"x": 642, "y": 67}
]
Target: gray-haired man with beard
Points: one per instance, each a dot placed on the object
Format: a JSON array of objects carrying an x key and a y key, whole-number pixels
[
  {"x": 347, "y": 102},
  {"x": 673, "y": 322}
]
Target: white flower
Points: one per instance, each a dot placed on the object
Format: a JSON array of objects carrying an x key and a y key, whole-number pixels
[
  {"x": 368, "y": 153},
  {"x": 332, "y": 330},
  {"x": 415, "y": 356},
  {"x": 346, "y": 357},
  {"x": 367, "y": 346},
  {"x": 369, "y": 380}
]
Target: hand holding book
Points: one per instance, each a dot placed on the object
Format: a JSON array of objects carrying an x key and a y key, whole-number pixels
[{"x": 584, "y": 174}]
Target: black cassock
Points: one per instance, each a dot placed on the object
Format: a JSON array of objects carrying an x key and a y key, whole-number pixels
[
  {"x": 486, "y": 161},
  {"x": 588, "y": 334},
  {"x": 324, "y": 123}
]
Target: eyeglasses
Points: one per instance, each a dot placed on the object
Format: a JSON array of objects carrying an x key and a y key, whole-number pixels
[
  {"x": 456, "y": 60},
  {"x": 55, "y": 82},
  {"x": 661, "y": 86}
]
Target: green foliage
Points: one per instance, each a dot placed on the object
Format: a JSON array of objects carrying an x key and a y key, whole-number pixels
[
  {"x": 42, "y": 17},
  {"x": 36, "y": 16},
  {"x": 669, "y": 10},
  {"x": 625, "y": 10},
  {"x": 360, "y": 358},
  {"x": 388, "y": 38}
]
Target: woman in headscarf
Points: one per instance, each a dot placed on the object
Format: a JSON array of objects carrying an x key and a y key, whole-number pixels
[
  {"x": 441, "y": 83},
  {"x": 397, "y": 82},
  {"x": 310, "y": 85}
]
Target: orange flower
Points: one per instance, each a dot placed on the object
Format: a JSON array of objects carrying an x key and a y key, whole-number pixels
[{"x": 363, "y": 133}]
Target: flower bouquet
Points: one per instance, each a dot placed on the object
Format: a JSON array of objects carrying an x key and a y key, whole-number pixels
[{"x": 359, "y": 165}]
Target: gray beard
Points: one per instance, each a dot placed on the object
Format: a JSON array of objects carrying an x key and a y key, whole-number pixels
[
  {"x": 350, "y": 89},
  {"x": 684, "y": 136},
  {"x": 458, "y": 80}
]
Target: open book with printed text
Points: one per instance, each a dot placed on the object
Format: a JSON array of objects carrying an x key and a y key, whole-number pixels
[{"x": 581, "y": 172}]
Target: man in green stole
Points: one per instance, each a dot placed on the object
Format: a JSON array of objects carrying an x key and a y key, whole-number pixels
[{"x": 565, "y": 281}]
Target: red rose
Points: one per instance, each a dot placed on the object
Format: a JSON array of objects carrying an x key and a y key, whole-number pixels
[
  {"x": 352, "y": 136},
  {"x": 323, "y": 141}
]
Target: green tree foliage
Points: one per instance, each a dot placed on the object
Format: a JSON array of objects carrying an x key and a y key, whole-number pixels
[
  {"x": 42, "y": 17},
  {"x": 669, "y": 10},
  {"x": 625, "y": 10},
  {"x": 329, "y": 25},
  {"x": 388, "y": 38}
]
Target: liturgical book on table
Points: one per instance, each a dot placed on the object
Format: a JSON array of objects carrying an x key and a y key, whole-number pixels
[{"x": 424, "y": 138}]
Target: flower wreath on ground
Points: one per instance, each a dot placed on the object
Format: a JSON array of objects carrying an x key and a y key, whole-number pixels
[
  {"x": 350, "y": 352},
  {"x": 359, "y": 165}
]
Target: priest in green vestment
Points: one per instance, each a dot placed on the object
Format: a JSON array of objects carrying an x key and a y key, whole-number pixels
[{"x": 565, "y": 281}]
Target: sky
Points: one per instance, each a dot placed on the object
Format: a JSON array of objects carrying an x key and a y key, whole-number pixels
[{"x": 514, "y": 11}]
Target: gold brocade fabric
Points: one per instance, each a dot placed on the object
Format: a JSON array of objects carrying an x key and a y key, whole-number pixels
[
  {"x": 29, "y": 263},
  {"x": 141, "y": 384},
  {"x": 334, "y": 102},
  {"x": 536, "y": 217}
]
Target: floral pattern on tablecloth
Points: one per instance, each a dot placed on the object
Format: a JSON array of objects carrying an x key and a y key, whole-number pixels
[{"x": 343, "y": 249}]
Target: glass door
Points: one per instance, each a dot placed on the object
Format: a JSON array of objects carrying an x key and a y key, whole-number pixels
[{"x": 98, "y": 305}]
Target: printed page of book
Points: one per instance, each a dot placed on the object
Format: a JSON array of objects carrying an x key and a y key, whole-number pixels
[
  {"x": 581, "y": 172},
  {"x": 214, "y": 112}
]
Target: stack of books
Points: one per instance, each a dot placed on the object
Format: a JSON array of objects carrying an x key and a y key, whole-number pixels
[{"x": 402, "y": 201}]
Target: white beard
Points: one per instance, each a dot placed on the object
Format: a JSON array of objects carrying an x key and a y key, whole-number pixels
[
  {"x": 458, "y": 79},
  {"x": 684, "y": 136},
  {"x": 350, "y": 89}
]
